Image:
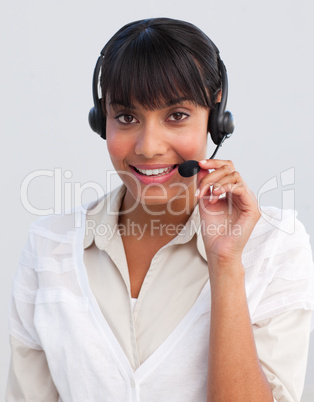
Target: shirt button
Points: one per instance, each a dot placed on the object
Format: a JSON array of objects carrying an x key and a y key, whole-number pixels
[{"x": 132, "y": 382}]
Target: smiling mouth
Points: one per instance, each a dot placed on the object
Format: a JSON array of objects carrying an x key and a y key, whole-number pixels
[{"x": 155, "y": 172}]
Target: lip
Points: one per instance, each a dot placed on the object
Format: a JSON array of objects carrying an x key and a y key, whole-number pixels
[{"x": 154, "y": 179}]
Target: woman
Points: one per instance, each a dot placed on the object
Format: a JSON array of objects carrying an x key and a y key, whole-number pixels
[{"x": 174, "y": 288}]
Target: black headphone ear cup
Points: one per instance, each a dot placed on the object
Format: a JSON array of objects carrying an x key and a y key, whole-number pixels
[
  {"x": 213, "y": 127},
  {"x": 220, "y": 126},
  {"x": 97, "y": 122},
  {"x": 228, "y": 123}
]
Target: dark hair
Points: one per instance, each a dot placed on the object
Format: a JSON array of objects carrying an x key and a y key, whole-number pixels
[{"x": 157, "y": 61}]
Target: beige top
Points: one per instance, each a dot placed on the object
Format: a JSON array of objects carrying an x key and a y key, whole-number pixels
[{"x": 177, "y": 274}]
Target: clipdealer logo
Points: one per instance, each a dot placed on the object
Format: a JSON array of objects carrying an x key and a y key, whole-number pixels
[{"x": 68, "y": 195}]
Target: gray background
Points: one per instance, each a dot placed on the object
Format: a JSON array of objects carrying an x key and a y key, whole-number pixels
[{"x": 48, "y": 52}]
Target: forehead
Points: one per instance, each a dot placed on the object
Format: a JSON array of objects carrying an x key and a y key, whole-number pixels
[{"x": 153, "y": 81}]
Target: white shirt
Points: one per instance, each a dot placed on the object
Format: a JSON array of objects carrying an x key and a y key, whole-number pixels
[{"x": 277, "y": 293}]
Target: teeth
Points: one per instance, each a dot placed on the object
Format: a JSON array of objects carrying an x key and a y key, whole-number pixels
[{"x": 155, "y": 172}]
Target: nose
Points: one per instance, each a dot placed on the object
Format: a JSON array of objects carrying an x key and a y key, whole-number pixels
[{"x": 151, "y": 141}]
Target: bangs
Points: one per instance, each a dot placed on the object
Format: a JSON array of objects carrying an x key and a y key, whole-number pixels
[{"x": 153, "y": 72}]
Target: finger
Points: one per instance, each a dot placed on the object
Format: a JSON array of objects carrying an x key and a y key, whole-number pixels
[
  {"x": 228, "y": 183},
  {"x": 217, "y": 178},
  {"x": 237, "y": 194},
  {"x": 215, "y": 163},
  {"x": 244, "y": 196}
]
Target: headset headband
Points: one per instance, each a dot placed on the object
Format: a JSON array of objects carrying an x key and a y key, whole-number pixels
[{"x": 220, "y": 123}]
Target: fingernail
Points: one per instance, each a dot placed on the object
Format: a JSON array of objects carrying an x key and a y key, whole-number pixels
[
  {"x": 203, "y": 161},
  {"x": 197, "y": 192}
]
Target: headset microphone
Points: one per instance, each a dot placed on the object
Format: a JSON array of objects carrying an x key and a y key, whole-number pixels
[{"x": 189, "y": 168}]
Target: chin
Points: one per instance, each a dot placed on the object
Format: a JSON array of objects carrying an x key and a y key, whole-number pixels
[{"x": 175, "y": 198}]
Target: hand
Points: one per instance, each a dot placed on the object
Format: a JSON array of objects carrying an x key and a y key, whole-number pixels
[{"x": 228, "y": 211}]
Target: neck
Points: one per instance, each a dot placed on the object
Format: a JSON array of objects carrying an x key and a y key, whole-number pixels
[{"x": 174, "y": 213}]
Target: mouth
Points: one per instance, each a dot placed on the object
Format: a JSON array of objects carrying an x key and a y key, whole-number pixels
[{"x": 155, "y": 172}]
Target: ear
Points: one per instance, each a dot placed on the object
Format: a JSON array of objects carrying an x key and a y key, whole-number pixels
[{"x": 218, "y": 97}]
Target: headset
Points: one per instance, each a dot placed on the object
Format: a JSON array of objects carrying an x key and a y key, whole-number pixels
[{"x": 220, "y": 122}]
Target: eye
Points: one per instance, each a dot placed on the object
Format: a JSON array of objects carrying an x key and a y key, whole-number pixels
[
  {"x": 126, "y": 119},
  {"x": 178, "y": 116}
]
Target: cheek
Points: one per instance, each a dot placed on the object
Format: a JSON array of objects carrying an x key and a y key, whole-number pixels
[
  {"x": 194, "y": 148},
  {"x": 194, "y": 145},
  {"x": 117, "y": 148},
  {"x": 114, "y": 144},
  {"x": 113, "y": 147}
]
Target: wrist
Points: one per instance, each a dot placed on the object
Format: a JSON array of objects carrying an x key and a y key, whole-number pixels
[
  {"x": 226, "y": 263},
  {"x": 228, "y": 290},
  {"x": 228, "y": 272}
]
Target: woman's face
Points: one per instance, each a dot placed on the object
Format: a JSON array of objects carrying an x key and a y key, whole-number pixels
[{"x": 146, "y": 147}]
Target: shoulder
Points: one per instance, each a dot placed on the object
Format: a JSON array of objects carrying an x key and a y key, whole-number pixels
[
  {"x": 278, "y": 231},
  {"x": 275, "y": 220},
  {"x": 70, "y": 226},
  {"x": 58, "y": 225},
  {"x": 56, "y": 232},
  {"x": 279, "y": 265},
  {"x": 63, "y": 226},
  {"x": 46, "y": 232}
]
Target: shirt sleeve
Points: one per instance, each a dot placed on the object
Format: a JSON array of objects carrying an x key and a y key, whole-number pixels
[
  {"x": 282, "y": 343},
  {"x": 29, "y": 376}
]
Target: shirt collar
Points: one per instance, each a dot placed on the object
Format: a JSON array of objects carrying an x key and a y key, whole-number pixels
[
  {"x": 102, "y": 223},
  {"x": 102, "y": 219}
]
